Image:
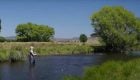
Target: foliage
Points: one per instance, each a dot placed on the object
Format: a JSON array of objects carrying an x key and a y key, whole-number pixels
[
  {"x": 118, "y": 27},
  {"x": 112, "y": 70},
  {"x": 4, "y": 55},
  {"x": 71, "y": 78},
  {"x": 18, "y": 51},
  {"x": 83, "y": 38},
  {"x": 2, "y": 39},
  {"x": 34, "y": 32},
  {"x": 136, "y": 48}
]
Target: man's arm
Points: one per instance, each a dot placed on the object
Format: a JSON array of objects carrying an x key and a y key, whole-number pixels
[{"x": 34, "y": 54}]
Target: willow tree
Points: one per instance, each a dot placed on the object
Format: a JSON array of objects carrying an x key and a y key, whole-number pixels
[{"x": 118, "y": 27}]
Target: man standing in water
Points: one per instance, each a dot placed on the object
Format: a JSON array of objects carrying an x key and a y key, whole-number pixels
[{"x": 31, "y": 55}]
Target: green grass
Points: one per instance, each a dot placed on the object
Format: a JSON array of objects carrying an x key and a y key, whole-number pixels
[
  {"x": 112, "y": 70},
  {"x": 16, "y": 51}
]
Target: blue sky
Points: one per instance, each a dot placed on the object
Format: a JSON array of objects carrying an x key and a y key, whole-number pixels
[{"x": 69, "y": 18}]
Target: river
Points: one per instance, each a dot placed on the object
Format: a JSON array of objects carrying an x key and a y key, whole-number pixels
[{"x": 54, "y": 67}]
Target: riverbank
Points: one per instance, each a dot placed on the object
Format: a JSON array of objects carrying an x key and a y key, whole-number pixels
[
  {"x": 16, "y": 51},
  {"x": 112, "y": 70}
]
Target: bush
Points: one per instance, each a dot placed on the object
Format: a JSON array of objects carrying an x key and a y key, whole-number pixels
[
  {"x": 112, "y": 70},
  {"x": 2, "y": 39}
]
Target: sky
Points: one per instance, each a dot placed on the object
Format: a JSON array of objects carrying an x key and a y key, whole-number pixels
[{"x": 69, "y": 18}]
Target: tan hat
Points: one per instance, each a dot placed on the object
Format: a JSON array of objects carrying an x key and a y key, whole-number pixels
[{"x": 31, "y": 47}]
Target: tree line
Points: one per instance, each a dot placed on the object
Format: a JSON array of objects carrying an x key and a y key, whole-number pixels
[
  {"x": 118, "y": 28},
  {"x": 29, "y": 32}
]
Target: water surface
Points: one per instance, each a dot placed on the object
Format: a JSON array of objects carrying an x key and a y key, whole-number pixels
[{"x": 53, "y": 67}]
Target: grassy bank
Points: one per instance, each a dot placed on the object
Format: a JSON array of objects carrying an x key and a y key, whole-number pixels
[
  {"x": 19, "y": 50},
  {"x": 112, "y": 70},
  {"x": 136, "y": 48}
]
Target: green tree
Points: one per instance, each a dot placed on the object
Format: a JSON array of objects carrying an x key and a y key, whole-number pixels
[
  {"x": 118, "y": 27},
  {"x": 83, "y": 38},
  {"x": 34, "y": 32},
  {"x": 2, "y": 39}
]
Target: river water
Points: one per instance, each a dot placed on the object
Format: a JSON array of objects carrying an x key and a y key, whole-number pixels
[{"x": 53, "y": 67}]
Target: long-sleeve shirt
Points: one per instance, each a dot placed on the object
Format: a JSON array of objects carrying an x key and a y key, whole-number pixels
[{"x": 32, "y": 53}]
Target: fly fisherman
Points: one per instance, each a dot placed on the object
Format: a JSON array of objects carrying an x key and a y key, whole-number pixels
[{"x": 32, "y": 55}]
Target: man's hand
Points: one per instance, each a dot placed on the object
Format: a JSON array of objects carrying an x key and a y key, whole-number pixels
[{"x": 34, "y": 54}]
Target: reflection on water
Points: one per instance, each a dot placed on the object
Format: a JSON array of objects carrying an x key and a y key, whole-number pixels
[
  {"x": 32, "y": 72},
  {"x": 4, "y": 72},
  {"x": 52, "y": 67}
]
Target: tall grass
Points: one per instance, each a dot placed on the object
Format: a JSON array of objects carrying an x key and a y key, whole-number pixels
[
  {"x": 112, "y": 70},
  {"x": 15, "y": 51},
  {"x": 136, "y": 48}
]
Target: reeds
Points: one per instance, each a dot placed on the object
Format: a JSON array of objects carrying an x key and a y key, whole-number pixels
[{"x": 17, "y": 51}]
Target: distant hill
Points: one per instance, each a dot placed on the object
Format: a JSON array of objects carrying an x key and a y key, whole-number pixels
[
  {"x": 91, "y": 40},
  {"x": 94, "y": 40},
  {"x": 11, "y": 37},
  {"x": 65, "y": 39},
  {"x": 54, "y": 39}
]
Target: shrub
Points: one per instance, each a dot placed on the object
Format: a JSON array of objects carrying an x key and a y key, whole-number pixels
[{"x": 112, "y": 70}]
